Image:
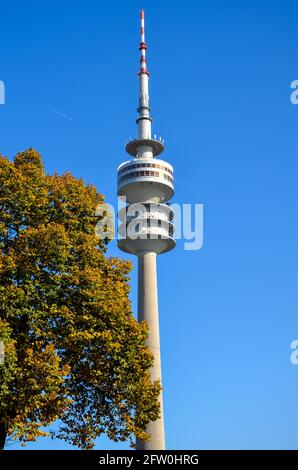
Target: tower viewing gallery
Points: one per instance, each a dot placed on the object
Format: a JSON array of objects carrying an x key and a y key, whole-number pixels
[{"x": 146, "y": 183}]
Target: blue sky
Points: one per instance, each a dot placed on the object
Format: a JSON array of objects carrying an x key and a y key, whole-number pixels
[{"x": 220, "y": 96}]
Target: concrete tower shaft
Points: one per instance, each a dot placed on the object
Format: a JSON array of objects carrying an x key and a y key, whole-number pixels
[{"x": 148, "y": 311}]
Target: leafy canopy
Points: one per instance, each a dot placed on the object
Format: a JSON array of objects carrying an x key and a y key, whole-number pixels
[{"x": 73, "y": 350}]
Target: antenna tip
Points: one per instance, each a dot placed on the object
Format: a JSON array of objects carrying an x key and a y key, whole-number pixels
[{"x": 142, "y": 14}]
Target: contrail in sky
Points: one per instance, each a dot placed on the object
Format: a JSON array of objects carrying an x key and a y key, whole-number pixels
[{"x": 56, "y": 111}]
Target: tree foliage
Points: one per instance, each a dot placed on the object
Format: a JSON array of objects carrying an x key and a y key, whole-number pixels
[{"x": 73, "y": 350}]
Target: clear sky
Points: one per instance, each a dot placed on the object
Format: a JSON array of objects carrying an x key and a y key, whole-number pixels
[{"x": 220, "y": 96}]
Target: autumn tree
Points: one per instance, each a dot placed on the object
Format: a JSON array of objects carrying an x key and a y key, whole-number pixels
[{"x": 73, "y": 350}]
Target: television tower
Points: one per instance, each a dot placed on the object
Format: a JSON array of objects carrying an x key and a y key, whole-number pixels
[{"x": 145, "y": 227}]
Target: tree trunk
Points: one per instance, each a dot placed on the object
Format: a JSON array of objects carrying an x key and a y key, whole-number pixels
[{"x": 2, "y": 435}]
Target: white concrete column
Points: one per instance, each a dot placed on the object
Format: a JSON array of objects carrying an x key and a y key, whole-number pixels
[
  {"x": 148, "y": 310},
  {"x": 144, "y": 125}
]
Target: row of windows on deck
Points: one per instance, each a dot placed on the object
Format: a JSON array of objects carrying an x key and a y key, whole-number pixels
[
  {"x": 154, "y": 223},
  {"x": 145, "y": 165},
  {"x": 135, "y": 174}
]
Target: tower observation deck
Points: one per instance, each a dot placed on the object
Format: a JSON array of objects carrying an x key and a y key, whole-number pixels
[{"x": 145, "y": 223}]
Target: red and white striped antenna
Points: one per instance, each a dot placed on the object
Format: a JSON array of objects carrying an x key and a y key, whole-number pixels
[
  {"x": 143, "y": 45},
  {"x": 144, "y": 146}
]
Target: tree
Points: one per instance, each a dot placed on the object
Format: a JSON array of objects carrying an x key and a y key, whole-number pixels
[{"x": 73, "y": 350}]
